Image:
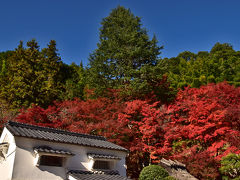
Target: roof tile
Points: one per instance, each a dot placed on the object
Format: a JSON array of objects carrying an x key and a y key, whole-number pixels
[
  {"x": 47, "y": 149},
  {"x": 44, "y": 133},
  {"x": 102, "y": 156},
  {"x": 96, "y": 175}
]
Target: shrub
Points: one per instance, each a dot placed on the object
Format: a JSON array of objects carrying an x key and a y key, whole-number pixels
[
  {"x": 153, "y": 172},
  {"x": 230, "y": 166},
  {"x": 169, "y": 178}
]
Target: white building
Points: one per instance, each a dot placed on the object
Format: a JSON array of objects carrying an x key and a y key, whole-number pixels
[{"x": 30, "y": 152}]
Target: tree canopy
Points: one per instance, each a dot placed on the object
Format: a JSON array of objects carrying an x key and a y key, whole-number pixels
[
  {"x": 32, "y": 76},
  {"x": 222, "y": 63},
  {"x": 124, "y": 49}
]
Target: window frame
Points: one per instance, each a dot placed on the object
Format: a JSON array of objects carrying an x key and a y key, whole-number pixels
[
  {"x": 101, "y": 162},
  {"x": 4, "y": 147},
  {"x": 43, "y": 160},
  {"x": 38, "y": 156}
]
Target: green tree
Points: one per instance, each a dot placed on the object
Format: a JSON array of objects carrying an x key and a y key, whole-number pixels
[
  {"x": 123, "y": 50},
  {"x": 17, "y": 90},
  {"x": 50, "y": 73},
  {"x": 32, "y": 76},
  {"x": 187, "y": 55},
  {"x": 3, "y": 61},
  {"x": 225, "y": 63},
  {"x": 222, "y": 63},
  {"x": 75, "y": 82}
]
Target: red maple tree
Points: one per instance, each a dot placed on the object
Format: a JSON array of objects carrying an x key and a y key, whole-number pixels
[
  {"x": 204, "y": 121},
  {"x": 199, "y": 128}
]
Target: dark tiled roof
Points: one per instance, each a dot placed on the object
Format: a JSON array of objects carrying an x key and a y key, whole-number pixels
[
  {"x": 50, "y": 134},
  {"x": 47, "y": 149},
  {"x": 102, "y": 156},
  {"x": 96, "y": 175}
]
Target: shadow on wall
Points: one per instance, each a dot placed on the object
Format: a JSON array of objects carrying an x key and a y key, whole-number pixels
[{"x": 55, "y": 171}]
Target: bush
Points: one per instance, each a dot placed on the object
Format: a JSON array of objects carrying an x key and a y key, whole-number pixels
[
  {"x": 230, "y": 167},
  {"x": 211, "y": 79},
  {"x": 153, "y": 172},
  {"x": 196, "y": 83},
  {"x": 169, "y": 178}
]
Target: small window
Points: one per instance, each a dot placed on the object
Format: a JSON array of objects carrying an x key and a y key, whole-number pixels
[
  {"x": 3, "y": 150},
  {"x": 4, "y": 147},
  {"x": 101, "y": 165},
  {"x": 51, "y": 161},
  {"x": 6, "y": 142}
]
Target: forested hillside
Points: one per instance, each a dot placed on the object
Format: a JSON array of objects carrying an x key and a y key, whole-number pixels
[{"x": 185, "y": 107}]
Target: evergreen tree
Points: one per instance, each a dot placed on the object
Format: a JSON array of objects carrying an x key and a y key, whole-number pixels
[
  {"x": 75, "y": 83},
  {"x": 18, "y": 90},
  {"x": 32, "y": 76},
  {"x": 124, "y": 48},
  {"x": 53, "y": 81},
  {"x": 3, "y": 61}
]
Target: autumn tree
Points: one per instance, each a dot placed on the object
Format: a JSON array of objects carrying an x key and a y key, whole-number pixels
[
  {"x": 142, "y": 122},
  {"x": 203, "y": 122},
  {"x": 199, "y": 128},
  {"x": 130, "y": 124},
  {"x": 124, "y": 53},
  {"x": 93, "y": 116}
]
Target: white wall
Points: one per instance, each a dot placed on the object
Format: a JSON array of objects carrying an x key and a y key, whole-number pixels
[
  {"x": 71, "y": 178},
  {"x": 24, "y": 168},
  {"x": 6, "y": 166}
]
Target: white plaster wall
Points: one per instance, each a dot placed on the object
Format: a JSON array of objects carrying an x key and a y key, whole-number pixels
[
  {"x": 24, "y": 168},
  {"x": 71, "y": 178},
  {"x": 81, "y": 161},
  {"x": 6, "y": 166}
]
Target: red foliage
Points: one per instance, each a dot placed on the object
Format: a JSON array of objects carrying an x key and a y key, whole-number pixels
[
  {"x": 36, "y": 116},
  {"x": 204, "y": 120},
  {"x": 97, "y": 116},
  {"x": 202, "y": 165},
  {"x": 143, "y": 130},
  {"x": 200, "y": 127},
  {"x": 135, "y": 125},
  {"x": 144, "y": 123}
]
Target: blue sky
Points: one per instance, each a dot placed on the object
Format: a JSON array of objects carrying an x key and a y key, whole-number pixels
[{"x": 193, "y": 25}]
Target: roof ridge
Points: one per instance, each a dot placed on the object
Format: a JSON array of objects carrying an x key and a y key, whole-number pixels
[
  {"x": 54, "y": 130},
  {"x": 107, "y": 172},
  {"x": 79, "y": 171},
  {"x": 105, "y": 156}
]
